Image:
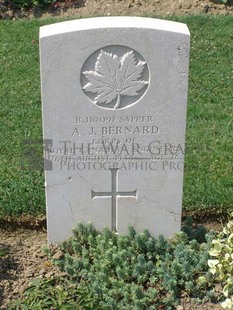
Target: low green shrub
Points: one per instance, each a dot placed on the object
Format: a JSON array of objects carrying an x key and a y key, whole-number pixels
[
  {"x": 198, "y": 233},
  {"x": 226, "y": 2},
  {"x": 107, "y": 271},
  {"x": 26, "y": 4},
  {"x": 221, "y": 263},
  {"x": 136, "y": 271}
]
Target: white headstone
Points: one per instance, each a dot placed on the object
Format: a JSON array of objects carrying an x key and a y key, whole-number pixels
[{"x": 114, "y": 94}]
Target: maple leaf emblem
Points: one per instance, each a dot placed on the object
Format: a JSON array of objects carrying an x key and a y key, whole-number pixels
[{"x": 115, "y": 77}]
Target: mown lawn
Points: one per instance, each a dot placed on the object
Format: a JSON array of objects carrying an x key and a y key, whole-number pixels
[{"x": 208, "y": 179}]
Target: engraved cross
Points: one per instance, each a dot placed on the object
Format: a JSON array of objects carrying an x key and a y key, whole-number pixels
[{"x": 114, "y": 195}]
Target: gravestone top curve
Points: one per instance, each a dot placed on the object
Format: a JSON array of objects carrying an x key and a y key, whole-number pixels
[{"x": 113, "y": 22}]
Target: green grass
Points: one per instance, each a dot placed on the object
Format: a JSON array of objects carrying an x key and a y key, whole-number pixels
[{"x": 208, "y": 170}]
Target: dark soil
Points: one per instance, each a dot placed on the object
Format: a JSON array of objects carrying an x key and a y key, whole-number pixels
[{"x": 24, "y": 261}]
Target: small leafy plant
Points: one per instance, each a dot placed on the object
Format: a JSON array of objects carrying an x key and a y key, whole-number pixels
[
  {"x": 56, "y": 293},
  {"x": 221, "y": 263},
  {"x": 3, "y": 252},
  {"x": 198, "y": 233}
]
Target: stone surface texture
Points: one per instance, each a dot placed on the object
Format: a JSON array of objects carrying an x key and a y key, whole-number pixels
[{"x": 114, "y": 93}]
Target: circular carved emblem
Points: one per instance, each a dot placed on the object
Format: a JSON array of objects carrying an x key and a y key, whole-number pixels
[{"x": 115, "y": 77}]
